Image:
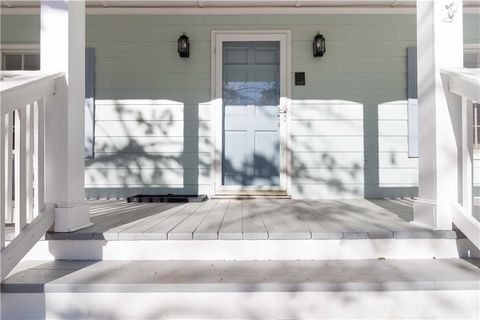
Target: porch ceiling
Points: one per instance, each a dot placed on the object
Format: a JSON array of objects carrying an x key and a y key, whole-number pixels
[{"x": 234, "y": 3}]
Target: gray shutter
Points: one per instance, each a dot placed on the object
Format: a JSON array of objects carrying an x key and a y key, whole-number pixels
[
  {"x": 89, "y": 102},
  {"x": 412, "y": 96}
]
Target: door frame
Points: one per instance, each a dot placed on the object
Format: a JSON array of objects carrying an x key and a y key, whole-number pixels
[{"x": 217, "y": 39}]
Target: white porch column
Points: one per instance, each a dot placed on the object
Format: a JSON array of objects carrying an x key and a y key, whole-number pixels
[
  {"x": 62, "y": 44},
  {"x": 439, "y": 45}
]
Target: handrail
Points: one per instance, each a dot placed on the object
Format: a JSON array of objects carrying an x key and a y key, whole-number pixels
[
  {"x": 19, "y": 88},
  {"x": 24, "y": 98},
  {"x": 466, "y": 84}
]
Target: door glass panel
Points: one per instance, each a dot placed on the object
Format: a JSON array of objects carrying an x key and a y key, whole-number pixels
[
  {"x": 251, "y": 96},
  {"x": 31, "y": 62},
  {"x": 12, "y": 62}
]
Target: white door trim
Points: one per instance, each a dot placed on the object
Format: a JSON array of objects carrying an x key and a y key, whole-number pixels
[{"x": 218, "y": 37}]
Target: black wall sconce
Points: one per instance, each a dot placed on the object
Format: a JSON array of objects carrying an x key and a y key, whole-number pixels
[
  {"x": 183, "y": 46},
  {"x": 319, "y": 48}
]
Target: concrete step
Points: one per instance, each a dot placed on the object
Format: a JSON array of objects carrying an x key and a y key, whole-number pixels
[{"x": 436, "y": 288}]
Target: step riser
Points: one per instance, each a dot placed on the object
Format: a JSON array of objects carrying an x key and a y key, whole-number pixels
[
  {"x": 443, "y": 304},
  {"x": 245, "y": 250}
]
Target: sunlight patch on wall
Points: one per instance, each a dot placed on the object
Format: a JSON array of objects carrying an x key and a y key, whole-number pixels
[
  {"x": 150, "y": 143},
  {"x": 327, "y": 149},
  {"x": 395, "y": 168}
]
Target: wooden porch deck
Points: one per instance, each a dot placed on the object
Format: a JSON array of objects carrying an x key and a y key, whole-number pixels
[{"x": 252, "y": 219}]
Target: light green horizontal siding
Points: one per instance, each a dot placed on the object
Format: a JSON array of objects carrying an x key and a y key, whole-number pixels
[
  {"x": 154, "y": 119},
  {"x": 19, "y": 28},
  {"x": 160, "y": 160}
]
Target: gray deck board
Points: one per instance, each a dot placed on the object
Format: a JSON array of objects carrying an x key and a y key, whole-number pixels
[
  {"x": 276, "y": 228},
  {"x": 253, "y": 226},
  {"x": 138, "y": 231},
  {"x": 158, "y": 211},
  {"x": 252, "y": 219},
  {"x": 185, "y": 229},
  {"x": 232, "y": 224},
  {"x": 298, "y": 228},
  {"x": 163, "y": 228},
  {"x": 208, "y": 228},
  {"x": 320, "y": 227}
]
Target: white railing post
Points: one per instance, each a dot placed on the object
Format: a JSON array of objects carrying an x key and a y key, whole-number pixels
[
  {"x": 63, "y": 50},
  {"x": 439, "y": 44}
]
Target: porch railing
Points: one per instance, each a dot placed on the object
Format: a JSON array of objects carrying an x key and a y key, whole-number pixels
[
  {"x": 25, "y": 216},
  {"x": 466, "y": 84}
]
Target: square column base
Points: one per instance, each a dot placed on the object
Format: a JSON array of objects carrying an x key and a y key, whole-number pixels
[
  {"x": 71, "y": 218},
  {"x": 433, "y": 214}
]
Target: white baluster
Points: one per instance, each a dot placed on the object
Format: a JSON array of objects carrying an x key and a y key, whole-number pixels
[
  {"x": 29, "y": 161},
  {"x": 3, "y": 186},
  {"x": 39, "y": 170},
  {"x": 7, "y": 146},
  {"x": 20, "y": 170},
  {"x": 467, "y": 155}
]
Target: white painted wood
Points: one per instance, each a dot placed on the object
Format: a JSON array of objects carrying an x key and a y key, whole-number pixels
[
  {"x": 3, "y": 186},
  {"x": 467, "y": 155},
  {"x": 467, "y": 224},
  {"x": 63, "y": 49},
  {"x": 8, "y": 164},
  {"x": 206, "y": 246},
  {"x": 20, "y": 89},
  {"x": 222, "y": 11},
  {"x": 20, "y": 212},
  {"x": 439, "y": 45},
  {"x": 29, "y": 136},
  {"x": 464, "y": 82},
  {"x": 245, "y": 305},
  {"x": 23, "y": 242},
  {"x": 39, "y": 158}
]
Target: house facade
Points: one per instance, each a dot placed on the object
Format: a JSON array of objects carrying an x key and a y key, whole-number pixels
[
  {"x": 156, "y": 126},
  {"x": 268, "y": 107}
]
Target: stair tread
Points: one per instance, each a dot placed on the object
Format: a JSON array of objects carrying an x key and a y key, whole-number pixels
[{"x": 245, "y": 276}]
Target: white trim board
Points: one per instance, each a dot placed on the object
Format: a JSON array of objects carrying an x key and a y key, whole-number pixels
[
  {"x": 258, "y": 10},
  {"x": 208, "y": 11},
  {"x": 217, "y": 38},
  {"x": 241, "y": 250}
]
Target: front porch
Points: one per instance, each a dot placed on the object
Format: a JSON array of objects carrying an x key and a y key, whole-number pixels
[
  {"x": 252, "y": 219},
  {"x": 251, "y": 229},
  {"x": 136, "y": 117}
]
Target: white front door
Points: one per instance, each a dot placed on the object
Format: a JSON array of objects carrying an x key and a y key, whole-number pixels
[{"x": 250, "y": 113}]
